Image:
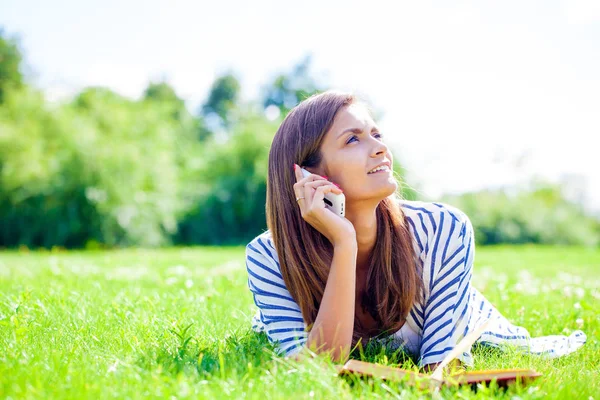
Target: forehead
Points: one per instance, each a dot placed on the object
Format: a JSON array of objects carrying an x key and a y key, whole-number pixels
[{"x": 353, "y": 116}]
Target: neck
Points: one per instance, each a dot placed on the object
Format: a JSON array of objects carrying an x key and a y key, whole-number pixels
[{"x": 364, "y": 219}]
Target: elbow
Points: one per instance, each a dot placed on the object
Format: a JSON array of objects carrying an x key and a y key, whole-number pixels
[
  {"x": 338, "y": 353},
  {"x": 341, "y": 356}
]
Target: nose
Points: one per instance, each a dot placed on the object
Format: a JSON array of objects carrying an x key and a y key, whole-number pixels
[{"x": 379, "y": 148}]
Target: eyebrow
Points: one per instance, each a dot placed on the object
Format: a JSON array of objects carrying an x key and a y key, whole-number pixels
[{"x": 356, "y": 130}]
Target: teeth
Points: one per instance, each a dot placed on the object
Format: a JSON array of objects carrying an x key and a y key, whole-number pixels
[{"x": 382, "y": 168}]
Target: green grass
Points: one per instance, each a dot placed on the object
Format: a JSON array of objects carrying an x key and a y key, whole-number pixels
[{"x": 175, "y": 323}]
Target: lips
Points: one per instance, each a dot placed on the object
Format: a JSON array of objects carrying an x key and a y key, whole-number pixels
[{"x": 384, "y": 166}]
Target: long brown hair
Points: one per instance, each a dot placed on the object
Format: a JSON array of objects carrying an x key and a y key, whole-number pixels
[{"x": 305, "y": 255}]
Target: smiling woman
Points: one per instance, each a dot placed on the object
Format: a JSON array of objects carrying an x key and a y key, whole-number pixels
[{"x": 391, "y": 270}]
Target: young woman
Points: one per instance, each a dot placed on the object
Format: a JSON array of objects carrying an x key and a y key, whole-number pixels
[{"x": 391, "y": 270}]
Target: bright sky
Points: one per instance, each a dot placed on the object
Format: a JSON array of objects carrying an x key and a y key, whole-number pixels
[{"x": 473, "y": 94}]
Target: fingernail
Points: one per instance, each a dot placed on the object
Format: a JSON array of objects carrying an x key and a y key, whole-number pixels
[{"x": 294, "y": 166}]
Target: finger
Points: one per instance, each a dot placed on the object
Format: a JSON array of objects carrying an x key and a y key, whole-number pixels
[
  {"x": 321, "y": 191},
  {"x": 298, "y": 191},
  {"x": 299, "y": 175},
  {"x": 301, "y": 180},
  {"x": 297, "y": 172},
  {"x": 322, "y": 182},
  {"x": 298, "y": 186},
  {"x": 309, "y": 188}
]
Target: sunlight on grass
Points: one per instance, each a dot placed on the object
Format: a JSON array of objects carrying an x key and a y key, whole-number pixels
[{"x": 175, "y": 322}]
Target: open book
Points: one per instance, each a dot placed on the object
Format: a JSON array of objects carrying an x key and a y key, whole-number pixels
[{"x": 502, "y": 377}]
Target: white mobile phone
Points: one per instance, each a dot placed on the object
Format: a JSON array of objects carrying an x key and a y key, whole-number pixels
[{"x": 333, "y": 201}]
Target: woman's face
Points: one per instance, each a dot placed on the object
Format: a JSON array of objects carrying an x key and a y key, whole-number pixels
[{"x": 351, "y": 150}]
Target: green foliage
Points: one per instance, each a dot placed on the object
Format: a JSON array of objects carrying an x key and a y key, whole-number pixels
[
  {"x": 541, "y": 215},
  {"x": 173, "y": 107},
  {"x": 289, "y": 89},
  {"x": 42, "y": 199},
  {"x": 11, "y": 76},
  {"x": 162, "y": 92},
  {"x": 102, "y": 169},
  {"x": 222, "y": 98},
  {"x": 131, "y": 155},
  {"x": 232, "y": 207},
  {"x": 105, "y": 170}
]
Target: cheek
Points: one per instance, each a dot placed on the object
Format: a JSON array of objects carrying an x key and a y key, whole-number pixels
[
  {"x": 349, "y": 168},
  {"x": 353, "y": 178}
]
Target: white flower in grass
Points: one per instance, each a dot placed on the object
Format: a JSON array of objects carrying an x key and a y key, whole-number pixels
[
  {"x": 171, "y": 280},
  {"x": 569, "y": 278},
  {"x": 579, "y": 322},
  {"x": 577, "y": 306},
  {"x": 177, "y": 270},
  {"x": 189, "y": 283},
  {"x": 113, "y": 368},
  {"x": 518, "y": 287},
  {"x": 546, "y": 288}
]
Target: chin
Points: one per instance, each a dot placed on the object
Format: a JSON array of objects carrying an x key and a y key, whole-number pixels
[
  {"x": 386, "y": 191},
  {"x": 391, "y": 189},
  {"x": 380, "y": 191}
]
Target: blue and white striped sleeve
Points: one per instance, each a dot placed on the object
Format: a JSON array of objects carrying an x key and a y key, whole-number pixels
[
  {"x": 447, "y": 272},
  {"x": 279, "y": 314}
]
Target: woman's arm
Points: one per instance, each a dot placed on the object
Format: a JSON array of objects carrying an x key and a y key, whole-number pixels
[
  {"x": 280, "y": 314},
  {"x": 334, "y": 325}
]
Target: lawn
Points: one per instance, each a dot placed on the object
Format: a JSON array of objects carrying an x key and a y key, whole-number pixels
[{"x": 175, "y": 323}]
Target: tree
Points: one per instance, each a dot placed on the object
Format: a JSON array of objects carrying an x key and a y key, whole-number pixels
[
  {"x": 541, "y": 214},
  {"x": 162, "y": 92},
  {"x": 164, "y": 96},
  {"x": 231, "y": 209},
  {"x": 10, "y": 64},
  {"x": 289, "y": 89},
  {"x": 222, "y": 99}
]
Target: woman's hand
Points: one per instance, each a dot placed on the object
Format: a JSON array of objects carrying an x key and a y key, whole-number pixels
[{"x": 310, "y": 192}]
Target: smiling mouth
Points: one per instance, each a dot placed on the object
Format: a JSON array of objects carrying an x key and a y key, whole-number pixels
[{"x": 383, "y": 168}]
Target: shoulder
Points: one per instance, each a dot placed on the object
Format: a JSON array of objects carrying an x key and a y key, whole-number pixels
[
  {"x": 262, "y": 243},
  {"x": 432, "y": 220},
  {"x": 431, "y": 213},
  {"x": 261, "y": 253},
  {"x": 431, "y": 210}
]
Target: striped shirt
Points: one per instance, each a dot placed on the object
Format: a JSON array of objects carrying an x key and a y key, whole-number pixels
[{"x": 444, "y": 243}]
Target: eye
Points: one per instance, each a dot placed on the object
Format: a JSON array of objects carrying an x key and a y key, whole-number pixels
[{"x": 376, "y": 134}]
